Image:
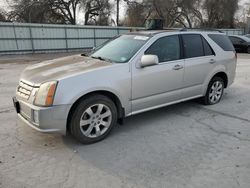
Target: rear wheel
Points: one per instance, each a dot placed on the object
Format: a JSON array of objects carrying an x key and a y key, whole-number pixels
[
  {"x": 214, "y": 91},
  {"x": 93, "y": 119}
]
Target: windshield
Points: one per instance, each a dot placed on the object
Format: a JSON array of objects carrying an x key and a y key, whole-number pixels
[{"x": 121, "y": 49}]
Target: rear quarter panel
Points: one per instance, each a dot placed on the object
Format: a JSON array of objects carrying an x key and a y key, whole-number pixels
[{"x": 225, "y": 62}]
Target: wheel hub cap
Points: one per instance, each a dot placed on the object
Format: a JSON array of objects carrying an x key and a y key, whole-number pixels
[
  {"x": 215, "y": 92},
  {"x": 95, "y": 120}
]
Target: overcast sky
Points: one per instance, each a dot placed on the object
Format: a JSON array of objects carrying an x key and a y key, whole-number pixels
[{"x": 3, "y": 4}]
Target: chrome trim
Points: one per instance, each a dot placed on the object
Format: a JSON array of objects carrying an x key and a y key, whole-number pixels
[{"x": 24, "y": 90}]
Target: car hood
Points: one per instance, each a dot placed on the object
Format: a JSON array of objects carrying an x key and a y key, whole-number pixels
[{"x": 59, "y": 68}]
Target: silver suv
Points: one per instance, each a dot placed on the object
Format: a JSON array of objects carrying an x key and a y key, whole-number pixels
[{"x": 130, "y": 74}]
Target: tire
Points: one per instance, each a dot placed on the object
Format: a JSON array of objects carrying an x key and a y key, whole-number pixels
[
  {"x": 93, "y": 119},
  {"x": 214, "y": 92}
]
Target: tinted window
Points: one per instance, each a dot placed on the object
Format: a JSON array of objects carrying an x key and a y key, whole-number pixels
[
  {"x": 166, "y": 48},
  {"x": 207, "y": 48},
  {"x": 223, "y": 41},
  {"x": 193, "y": 46},
  {"x": 235, "y": 40}
]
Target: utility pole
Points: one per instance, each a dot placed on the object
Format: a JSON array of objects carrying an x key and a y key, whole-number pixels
[
  {"x": 247, "y": 29},
  {"x": 117, "y": 12}
]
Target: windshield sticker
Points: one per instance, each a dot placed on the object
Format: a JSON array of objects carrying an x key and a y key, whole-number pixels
[{"x": 141, "y": 38}]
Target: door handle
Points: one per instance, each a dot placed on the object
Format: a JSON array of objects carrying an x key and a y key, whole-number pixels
[
  {"x": 177, "y": 67},
  {"x": 212, "y": 61}
]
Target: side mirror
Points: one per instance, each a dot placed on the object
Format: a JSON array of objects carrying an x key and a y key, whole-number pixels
[{"x": 149, "y": 60}]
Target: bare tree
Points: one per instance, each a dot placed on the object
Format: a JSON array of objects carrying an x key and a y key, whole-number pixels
[
  {"x": 175, "y": 13},
  {"x": 97, "y": 12},
  {"x": 3, "y": 16},
  {"x": 104, "y": 14},
  {"x": 182, "y": 12},
  {"x": 34, "y": 11},
  {"x": 220, "y": 13},
  {"x": 67, "y": 8},
  {"x": 135, "y": 14},
  {"x": 186, "y": 13}
]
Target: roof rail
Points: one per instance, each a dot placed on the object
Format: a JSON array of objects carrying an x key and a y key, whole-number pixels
[{"x": 201, "y": 29}]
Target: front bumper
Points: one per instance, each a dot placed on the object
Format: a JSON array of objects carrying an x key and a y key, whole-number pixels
[{"x": 43, "y": 119}]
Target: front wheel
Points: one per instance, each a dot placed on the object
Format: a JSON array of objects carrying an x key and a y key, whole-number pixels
[
  {"x": 93, "y": 119},
  {"x": 214, "y": 91}
]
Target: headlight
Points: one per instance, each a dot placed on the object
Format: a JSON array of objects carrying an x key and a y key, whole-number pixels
[{"x": 45, "y": 94}]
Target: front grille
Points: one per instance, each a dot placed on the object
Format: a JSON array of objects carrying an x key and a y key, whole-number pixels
[{"x": 24, "y": 90}]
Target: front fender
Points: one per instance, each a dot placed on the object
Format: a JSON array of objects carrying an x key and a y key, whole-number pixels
[
  {"x": 100, "y": 89},
  {"x": 116, "y": 80}
]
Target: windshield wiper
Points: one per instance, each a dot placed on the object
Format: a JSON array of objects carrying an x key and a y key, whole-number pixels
[{"x": 102, "y": 58}]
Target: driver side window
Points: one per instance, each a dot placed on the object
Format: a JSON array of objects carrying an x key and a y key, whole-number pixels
[{"x": 166, "y": 48}]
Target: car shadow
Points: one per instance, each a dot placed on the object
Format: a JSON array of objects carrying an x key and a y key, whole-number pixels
[
  {"x": 147, "y": 143},
  {"x": 138, "y": 121}
]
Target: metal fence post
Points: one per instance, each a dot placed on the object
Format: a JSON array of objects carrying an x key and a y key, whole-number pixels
[
  {"x": 94, "y": 29},
  {"x": 66, "y": 39},
  {"x": 14, "y": 28},
  {"x": 31, "y": 39},
  {"x": 94, "y": 37}
]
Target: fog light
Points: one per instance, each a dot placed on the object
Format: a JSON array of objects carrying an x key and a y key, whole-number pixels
[{"x": 36, "y": 116}]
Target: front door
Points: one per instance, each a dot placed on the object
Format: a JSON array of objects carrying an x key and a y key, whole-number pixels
[{"x": 157, "y": 85}]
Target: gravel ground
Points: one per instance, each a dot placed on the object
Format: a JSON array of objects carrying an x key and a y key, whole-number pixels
[{"x": 184, "y": 145}]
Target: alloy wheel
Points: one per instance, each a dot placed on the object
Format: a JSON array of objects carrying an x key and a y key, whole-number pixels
[
  {"x": 216, "y": 92},
  {"x": 95, "y": 120}
]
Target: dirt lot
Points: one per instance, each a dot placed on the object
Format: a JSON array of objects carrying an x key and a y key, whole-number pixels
[{"x": 185, "y": 145}]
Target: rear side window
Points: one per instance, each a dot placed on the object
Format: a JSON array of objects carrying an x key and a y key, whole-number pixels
[
  {"x": 193, "y": 46},
  {"x": 207, "y": 48},
  {"x": 223, "y": 41}
]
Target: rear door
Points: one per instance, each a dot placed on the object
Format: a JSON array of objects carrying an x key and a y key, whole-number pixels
[{"x": 199, "y": 62}]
